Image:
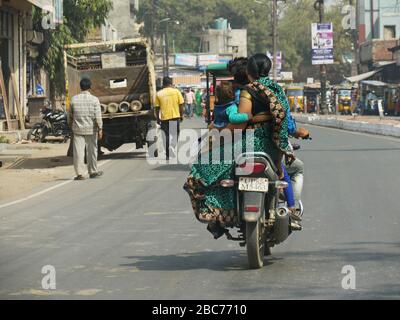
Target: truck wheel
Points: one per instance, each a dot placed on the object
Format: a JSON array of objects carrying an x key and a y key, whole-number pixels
[{"x": 255, "y": 240}]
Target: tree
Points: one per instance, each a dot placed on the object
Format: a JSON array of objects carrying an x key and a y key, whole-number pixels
[
  {"x": 79, "y": 18},
  {"x": 196, "y": 16},
  {"x": 294, "y": 28},
  {"x": 295, "y": 40}
]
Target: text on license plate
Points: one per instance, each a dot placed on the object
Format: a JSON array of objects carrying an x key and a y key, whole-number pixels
[{"x": 253, "y": 184}]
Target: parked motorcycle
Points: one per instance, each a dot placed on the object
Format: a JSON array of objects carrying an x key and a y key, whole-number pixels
[{"x": 54, "y": 123}]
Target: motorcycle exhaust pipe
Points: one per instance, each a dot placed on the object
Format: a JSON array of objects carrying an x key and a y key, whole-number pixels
[
  {"x": 282, "y": 225},
  {"x": 124, "y": 106},
  {"x": 103, "y": 108},
  {"x": 112, "y": 107}
]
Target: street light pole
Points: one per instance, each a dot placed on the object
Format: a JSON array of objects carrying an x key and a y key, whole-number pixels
[
  {"x": 153, "y": 19},
  {"x": 323, "y": 78},
  {"x": 354, "y": 34},
  {"x": 166, "y": 50},
  {"x": 274, "y": 37}
]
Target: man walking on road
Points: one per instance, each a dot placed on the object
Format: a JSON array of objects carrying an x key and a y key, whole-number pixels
[
  {"x": 169, "y": 113},
  {"x": 84, "y": 117},
  {"x": 189, "y": 101}
]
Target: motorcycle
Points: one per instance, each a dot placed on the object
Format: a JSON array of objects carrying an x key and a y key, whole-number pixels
[
  {"x": 263, "y": 219},
  {"x": 54, "y": 123}
]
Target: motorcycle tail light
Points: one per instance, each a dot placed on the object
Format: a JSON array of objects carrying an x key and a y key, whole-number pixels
[
  {"x": 253, "y": 167},
  {"x": 251, "y": 208}
]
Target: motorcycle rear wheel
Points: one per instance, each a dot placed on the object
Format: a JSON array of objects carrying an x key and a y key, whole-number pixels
[{"x": 255, "y": 241}]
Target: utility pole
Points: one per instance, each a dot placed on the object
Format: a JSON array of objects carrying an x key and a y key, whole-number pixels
[
  {"x": 274, "y": 37},
  {"x": 319, "y": 5},
  {"x": 165, "y": 47},
  {"x": 166, "y": 50},
  {"x": 153, "y": 28},
  {"x": 164, "y": 55},
  {"x": 354, "y": 33}
]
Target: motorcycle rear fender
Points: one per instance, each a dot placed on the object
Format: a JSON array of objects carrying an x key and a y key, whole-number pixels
[{"x": 252, "y": 206}]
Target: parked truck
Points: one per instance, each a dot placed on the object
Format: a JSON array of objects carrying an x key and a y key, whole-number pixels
[{"x": 123, "y": 78}]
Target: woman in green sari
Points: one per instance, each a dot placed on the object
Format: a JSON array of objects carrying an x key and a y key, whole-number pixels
[{"x": 266, "y": 104}]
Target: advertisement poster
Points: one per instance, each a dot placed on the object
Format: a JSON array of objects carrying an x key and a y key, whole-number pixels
[
  {"x": 186, "y": 60},
  {"x": 322, "y": 43},
  {"x": 205, "y": 60},
  {"x": 278, "y": 60}
]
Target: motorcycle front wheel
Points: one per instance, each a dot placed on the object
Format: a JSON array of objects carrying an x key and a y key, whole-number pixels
[
  {"x": 255, "y": 241},
  {"x": 38, "y": 133}
]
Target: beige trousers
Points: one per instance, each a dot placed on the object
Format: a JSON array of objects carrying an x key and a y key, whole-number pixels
[{"x": 80, "y": 142}]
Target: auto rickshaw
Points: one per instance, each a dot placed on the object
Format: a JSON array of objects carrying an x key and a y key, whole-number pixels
[
  {"x": 312, "y": 97},
  {"x": 214, "y": 74},
  {"x": 391, "y": 99},
  {"x": 343, "y": 100},
  {"x": 295, "y": 96},
  {"x": 371, "y": 91}
]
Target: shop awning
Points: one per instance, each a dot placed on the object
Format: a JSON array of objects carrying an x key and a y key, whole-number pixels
[
  {"x": 43, "y": 4},
  {"x": 362, "y": 76}
]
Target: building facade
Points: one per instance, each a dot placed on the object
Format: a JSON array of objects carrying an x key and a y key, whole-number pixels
[
  {"x": 378, "y": 30},
  {"x": 378, "y": 19},
  {"x": 19, "y": 51},
  {"x": 222, "y": 39},
  {"x": 121, "y": 21}
]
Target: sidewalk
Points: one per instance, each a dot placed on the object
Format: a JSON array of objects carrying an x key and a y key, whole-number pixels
[
  {"x": 27, "y": 166},
  {"x": 388, "y": 126}
]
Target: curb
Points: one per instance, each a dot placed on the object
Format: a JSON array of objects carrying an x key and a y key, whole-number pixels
[{"x": 358, "y": 126}]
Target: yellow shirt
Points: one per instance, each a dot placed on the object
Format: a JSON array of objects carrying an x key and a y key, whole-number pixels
[{"x": 168, "y": 100}]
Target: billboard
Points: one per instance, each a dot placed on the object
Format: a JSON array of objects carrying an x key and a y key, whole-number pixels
[
  {"x": 205, "y": 60},
  {"x": 186, "y": 60},
  {"x": 278, "y": 60},
  {"x": 322, "y": 43}
]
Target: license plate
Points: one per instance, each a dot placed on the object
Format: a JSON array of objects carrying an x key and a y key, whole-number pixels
[{"x": 253, "y": 184}]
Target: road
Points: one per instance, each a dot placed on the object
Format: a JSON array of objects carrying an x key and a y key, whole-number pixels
[{"x": 132, "y": 235}]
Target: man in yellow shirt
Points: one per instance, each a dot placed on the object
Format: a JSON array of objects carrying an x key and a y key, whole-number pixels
[{"x": 169, "y": 113}]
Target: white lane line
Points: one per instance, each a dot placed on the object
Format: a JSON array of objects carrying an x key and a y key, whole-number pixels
[
  {"x": 49, "y": 189},
  {"x": 377, "y": 136}
]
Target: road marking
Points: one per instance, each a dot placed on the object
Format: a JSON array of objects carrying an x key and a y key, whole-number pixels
[
  {"x": 9, "y": 204},
  {"x": 378, "y": 136}
]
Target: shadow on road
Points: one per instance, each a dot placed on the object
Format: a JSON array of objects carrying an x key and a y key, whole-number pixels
[
  {"x": 124, "y": 156},
  {"x": 215, "y": 261},
  {"x": 173, "y": 167},
  {"x": 42, "y": 163}
]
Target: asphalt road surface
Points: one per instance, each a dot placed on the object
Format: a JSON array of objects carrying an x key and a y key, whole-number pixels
[{"x": 132, "y": 234}]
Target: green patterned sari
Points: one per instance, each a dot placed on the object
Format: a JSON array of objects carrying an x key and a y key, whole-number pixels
[{"x": 210, "y": 201}]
